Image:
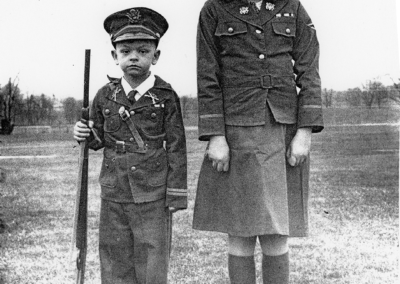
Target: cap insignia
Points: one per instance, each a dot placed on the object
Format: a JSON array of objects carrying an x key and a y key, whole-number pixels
[
  {"x": 134, "y": 16},
  {"x": 270, "y": 6},
  {"x": 244, "y": 10}
]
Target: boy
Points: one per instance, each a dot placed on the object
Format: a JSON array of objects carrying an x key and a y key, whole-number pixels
[
  {"x": 143, "y": 176},
  {"x": 253, "y": 185}
]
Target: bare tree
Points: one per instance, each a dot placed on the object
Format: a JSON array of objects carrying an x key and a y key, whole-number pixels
[
  {"x": 353, "y": 97},
  {"x": 374, "y": 91},
  {"x": 327, "y": 96},
  {"x": 9, "y": 94}
]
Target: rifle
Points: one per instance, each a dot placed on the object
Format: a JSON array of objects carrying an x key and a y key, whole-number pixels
[{"x": 79, "y": 241}]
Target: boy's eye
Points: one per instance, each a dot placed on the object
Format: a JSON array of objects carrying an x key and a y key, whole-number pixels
[{"x": 143, "y": 51}]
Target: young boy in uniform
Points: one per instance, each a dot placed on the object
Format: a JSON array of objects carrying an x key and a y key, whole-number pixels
[{"x": 138, "y": 122}]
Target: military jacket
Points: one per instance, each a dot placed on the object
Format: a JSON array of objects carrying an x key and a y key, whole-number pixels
[
  {"x": 250, "y": 59},
  {"x": 129, "y": 174}
]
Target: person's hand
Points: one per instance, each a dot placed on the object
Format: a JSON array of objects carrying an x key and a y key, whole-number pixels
[
  {"x": 218, "y": 153},
  {"x": 82, "y": 131},
  {"x": 299, "y": 148}
]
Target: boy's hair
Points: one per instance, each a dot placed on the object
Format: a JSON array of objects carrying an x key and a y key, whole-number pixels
[{"x": 114, "y": 44}]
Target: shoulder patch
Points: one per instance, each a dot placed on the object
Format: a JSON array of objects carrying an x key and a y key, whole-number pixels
[{"x": 311, "y": 25}]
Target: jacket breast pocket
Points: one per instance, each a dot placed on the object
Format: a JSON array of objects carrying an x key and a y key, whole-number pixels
[
  {"x": 112, "y": 120},
  {"x": 152, "y": 121},
  {"x": 108, "y": 175},
  {"x": 284, "y": 32},
  {"x": 232, "y": 36}
]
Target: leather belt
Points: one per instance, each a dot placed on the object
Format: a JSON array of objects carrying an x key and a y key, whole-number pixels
[
  {"x": 123, "y": 147},
  {"x": 265, "y": 81}
]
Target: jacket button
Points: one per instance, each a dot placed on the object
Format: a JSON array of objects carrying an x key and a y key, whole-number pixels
[
  {"x": 258, "y": 31},
  {"x": 107, "y": 111},
  {"x": 131, "y": 139},
  {"x": 261, "y": 56},
  {"x": 132, "y": 112},
  {"x": 230, "y": 30},
  {"x": 153, "y": 115},
  {"x": 133, "y": 169},
  {"x": 288, "y": 31}
]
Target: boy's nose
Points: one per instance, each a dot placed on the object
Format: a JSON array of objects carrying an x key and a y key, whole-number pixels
[{"x": 133, "y": 56}]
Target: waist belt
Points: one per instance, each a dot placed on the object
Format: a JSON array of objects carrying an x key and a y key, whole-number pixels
[
  {"x": 123, "y": 147},
  {"x": 264, "y": 81}
]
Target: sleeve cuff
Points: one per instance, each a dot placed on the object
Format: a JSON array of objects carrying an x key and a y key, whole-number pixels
[
  {"x": 176, "y": 198},
  {"x": 211, "y": 125}
]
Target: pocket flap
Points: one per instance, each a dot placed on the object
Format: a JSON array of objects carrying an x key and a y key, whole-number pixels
[
  {"x": 230, "y": 28},
  {"x": 287, "y": 29}
]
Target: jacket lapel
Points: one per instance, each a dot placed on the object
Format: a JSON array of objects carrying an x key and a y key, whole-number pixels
[
  {"x": 116, "y": 93},
  {"x": 268, "y": 14},
  {"x": 155, "y": 95}
]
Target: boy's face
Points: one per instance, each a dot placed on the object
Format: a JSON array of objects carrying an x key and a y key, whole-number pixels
[{"x": 136, "y": 57}]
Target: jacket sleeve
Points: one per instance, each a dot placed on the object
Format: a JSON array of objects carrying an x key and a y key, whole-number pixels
[
  {"x": 96, "y": 115},
  {"x": 210, "y": 100},
  {"x": 176, "y": 154},
  {"x": 306, "y": 57}
]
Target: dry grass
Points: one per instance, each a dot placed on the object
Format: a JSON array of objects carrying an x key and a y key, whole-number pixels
[{"x": 353, "y": 215}]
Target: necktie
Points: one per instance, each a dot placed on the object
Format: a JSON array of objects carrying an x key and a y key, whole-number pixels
[{"x": 131, "y": 96}]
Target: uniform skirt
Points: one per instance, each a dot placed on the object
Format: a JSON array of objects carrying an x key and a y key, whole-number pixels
[{"x": 260, "y": 194}]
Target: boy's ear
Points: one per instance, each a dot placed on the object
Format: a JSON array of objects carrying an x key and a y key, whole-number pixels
[
  {"x": 114, "y": 55},
  {"x": 156, "y": 57}
]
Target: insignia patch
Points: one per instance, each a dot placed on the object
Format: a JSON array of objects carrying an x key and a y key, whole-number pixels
[
  {"x": 152, "y": 96},
  {"x": 114, "y": 95},
  {"x": 244, "y": 10},
  {"x": 270, "y": 6},
  {"x": 134, "y": 16}
]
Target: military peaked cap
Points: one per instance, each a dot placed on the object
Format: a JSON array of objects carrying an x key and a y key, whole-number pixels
[{"x": 135, "y": 23}]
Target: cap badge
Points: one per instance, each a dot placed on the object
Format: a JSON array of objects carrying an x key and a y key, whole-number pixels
[
  {"x": 134, "y": 16},
  {"x": 270, "y": 6},
  {"x": 244, "y": 10}
]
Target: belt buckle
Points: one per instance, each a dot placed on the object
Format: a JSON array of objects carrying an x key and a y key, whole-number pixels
[
  {"x": 120, "y": 146},
  {"x": 266, "y": 83}
]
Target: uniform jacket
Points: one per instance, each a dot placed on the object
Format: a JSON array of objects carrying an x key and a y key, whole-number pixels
[
  {"x": 128, "y": 175},
  {"x": 248, "y": 60}
]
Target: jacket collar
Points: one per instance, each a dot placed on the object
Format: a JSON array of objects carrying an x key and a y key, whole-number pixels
[
  {"x": 117, "y": 94},
  {"x": 251, "y": 16}
]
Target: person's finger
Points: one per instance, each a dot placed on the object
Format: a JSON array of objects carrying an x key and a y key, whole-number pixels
[
  {"x": 214, "y": 164},
  {"x": 226, "y": 166},
  {"x": 292, "y": 161},
  {"x": 220, "y": 166}
]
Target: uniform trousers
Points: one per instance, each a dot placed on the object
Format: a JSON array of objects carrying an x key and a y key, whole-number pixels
[{"x": 134, "y": 242}]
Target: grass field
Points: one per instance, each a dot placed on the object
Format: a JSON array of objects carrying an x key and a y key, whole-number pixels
[{"x": 354, "y": 213}]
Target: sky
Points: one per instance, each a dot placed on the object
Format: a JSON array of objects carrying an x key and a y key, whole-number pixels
[{"x": 43, "y": 42}]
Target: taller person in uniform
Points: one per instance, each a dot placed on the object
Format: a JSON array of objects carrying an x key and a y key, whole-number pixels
[
  {"x": 138, "y": 122},
  {"x": 253, "y": 183}
]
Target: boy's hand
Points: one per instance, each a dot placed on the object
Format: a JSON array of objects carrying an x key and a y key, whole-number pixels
[
  {"x": 218, "y": 153},
  {"x": 82, "y": 131},
  {"x": 299, "y": 147}
]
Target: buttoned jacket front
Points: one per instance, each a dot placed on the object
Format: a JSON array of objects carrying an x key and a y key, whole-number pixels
[
  {"x": 249, "y": 60},
  {"x": 129, "y": 175}
]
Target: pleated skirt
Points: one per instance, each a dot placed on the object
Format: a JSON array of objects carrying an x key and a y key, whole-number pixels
[{"x": 260, "y": 194}]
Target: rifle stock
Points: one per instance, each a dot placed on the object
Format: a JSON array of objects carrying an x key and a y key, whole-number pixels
[{"x": 79, "y": 241}]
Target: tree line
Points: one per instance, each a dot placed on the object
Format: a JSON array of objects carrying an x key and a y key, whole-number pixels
[
  {"x": 19, "y": 109},
  {"x": 371, "y": 94}
]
